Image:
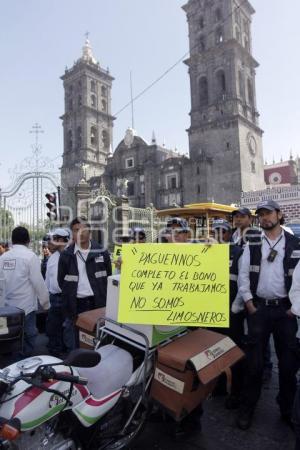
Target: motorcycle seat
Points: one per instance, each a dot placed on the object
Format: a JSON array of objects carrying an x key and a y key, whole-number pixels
[{"x": 113, "y": 371}]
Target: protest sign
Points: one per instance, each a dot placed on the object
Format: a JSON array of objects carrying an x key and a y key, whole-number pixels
[{"x": 175, "y": 284}]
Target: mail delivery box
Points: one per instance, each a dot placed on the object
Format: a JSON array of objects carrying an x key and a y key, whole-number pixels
[
  {"x": 187, "y": 369},
  {"x": 155, "y": 333},
  {"x": 11, "y": 329},
  {"x": 87, "y": 324}
]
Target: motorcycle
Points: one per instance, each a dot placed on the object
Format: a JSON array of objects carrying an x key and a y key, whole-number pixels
[{"x": 94, "y": 399}]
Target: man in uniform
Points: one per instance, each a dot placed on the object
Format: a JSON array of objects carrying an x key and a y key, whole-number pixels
[
  {"x": 295, "y": 309},
  {"x": 178, "y": 230},
  {"x": 83, "y": 269},
  {"x": 223, "y": 235},
  {"x": 242, "y": 220},
  {"x": 55, "y": 319},
  {"x": 265, "y": 279},
  {"x": 138, "y": 236},
  {"x": 24, "y": 283}
]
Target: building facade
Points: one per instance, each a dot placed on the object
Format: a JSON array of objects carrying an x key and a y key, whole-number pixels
[
  {"x": 283, "y": 173},
  {"x": 282, "y": 185},
  {"x": 225, "y": 139},
  {"x": 146, "y": 173},
  {"x": 87, "y": 123},
  {"x": 224, "y": 135},
  {"x": 288, "y": 198}
]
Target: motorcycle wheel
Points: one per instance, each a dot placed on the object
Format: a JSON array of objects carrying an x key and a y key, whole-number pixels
[{"x": 134, "y": 429}]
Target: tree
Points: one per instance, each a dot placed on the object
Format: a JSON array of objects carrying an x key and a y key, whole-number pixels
[{"x": 6, "y": 224}]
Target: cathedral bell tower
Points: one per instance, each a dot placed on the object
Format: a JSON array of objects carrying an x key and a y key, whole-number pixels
[
  {"x": 87, "y": 123},
  {"x": 224, "y": 137}
]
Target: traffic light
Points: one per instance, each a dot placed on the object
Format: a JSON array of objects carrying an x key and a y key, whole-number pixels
[{"x": 52, "y": 206}]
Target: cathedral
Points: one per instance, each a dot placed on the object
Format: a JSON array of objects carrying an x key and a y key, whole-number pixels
[{"x": 225, "y": 139}]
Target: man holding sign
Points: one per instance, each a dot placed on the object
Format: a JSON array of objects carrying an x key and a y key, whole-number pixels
[
  {"x": 178, "y": 230},
  {"x": 176, "y": 285},
  {"x": 223, "y": 234},
  {"x": 136, "y": 236}
]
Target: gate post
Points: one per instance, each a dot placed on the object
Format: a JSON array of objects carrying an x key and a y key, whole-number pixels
[
  {"x": 122, "y": 215},
  {"x": 83, "y": 194}
]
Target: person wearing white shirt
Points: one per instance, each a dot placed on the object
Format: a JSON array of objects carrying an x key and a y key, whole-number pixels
[
  {"x": 295, "y": 292},
  {"x": 295, "y": 300},
  {"x": 58, "y": 341},
  {"x": 265, "y": 279},
  {"x": 223, "y": 235},
  {"x": 24, "y": 284},
  {"x": 83, "y": 269},
  {"x": 242, "y": 220}
]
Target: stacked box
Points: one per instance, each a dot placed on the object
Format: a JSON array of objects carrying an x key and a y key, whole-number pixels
[
  {"x": 187, "y": 370},
  {"x": 87, "y": 324}
]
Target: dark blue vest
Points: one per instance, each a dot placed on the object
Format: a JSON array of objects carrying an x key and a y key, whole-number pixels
[
  {"x": 291, "y": 259},
  {"x": 234, "y": 255}
]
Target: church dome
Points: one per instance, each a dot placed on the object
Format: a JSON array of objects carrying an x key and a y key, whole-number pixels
[{"x": 87, "y": 53}]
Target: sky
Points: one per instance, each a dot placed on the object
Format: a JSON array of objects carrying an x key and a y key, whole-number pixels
[{"x": 39, "y": 38}]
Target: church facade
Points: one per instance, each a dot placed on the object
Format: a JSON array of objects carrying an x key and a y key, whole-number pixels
[
  {"x": 225, "y": 139},
  {"x": 147, "y": 173}
]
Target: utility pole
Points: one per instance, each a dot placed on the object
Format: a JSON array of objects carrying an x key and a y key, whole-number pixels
[{"x": 131, "y": 99}]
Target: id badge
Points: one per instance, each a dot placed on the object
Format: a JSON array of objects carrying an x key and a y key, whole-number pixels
[{"x": 272, "y": 255}]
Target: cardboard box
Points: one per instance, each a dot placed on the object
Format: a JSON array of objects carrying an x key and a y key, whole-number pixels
[
  {"x": 86, "y": 324},
  {"x": 155, "y": 333},
  {"x": 187, "y": 370}
]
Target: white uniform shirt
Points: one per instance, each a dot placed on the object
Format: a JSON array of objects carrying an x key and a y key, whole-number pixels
[
  {"x": 238, "y": 304},
  {"x": 51, "y": 273},
  {"x": 237, "y": 236},
  {"x": 24, "y": 283},
  {"x": 294, "y": 293},
  {"x": 271, "y": 282},
  {"x": 84, "y": 288}
]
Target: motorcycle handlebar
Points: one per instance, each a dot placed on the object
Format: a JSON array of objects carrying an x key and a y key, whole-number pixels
[
  {"x": 48, "y": 373},
  {"x": 70, "y": 378}
]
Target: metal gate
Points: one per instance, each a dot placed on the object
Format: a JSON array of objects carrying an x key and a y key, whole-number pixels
[
  {"x": 24, "y": 202},
  {"x": 147, "y": 219}
]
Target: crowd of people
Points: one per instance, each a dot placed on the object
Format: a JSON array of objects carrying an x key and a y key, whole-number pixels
[
  {"x": 72, "y": 278},
  {"x": 264, "y": 294}
]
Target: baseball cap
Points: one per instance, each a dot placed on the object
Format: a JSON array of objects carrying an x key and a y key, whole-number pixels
[
  {"x": 182, "y": 223},
  {"x": 47, "y": 238},
  {"x": 61, "y": 232},
  {"x": 221, "y": 223},
  {"x": 243, "y": 211},
  {"x": 138, "y": 231},
  {"x": 125, "y": 238},
  {"x": 271, "y": 205}
]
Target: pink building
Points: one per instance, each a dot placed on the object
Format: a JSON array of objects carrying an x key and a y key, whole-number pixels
[{"x": 283, "y": 185}]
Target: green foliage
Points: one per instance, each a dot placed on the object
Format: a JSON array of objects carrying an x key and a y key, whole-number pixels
[{"x": 6, "y": 224}]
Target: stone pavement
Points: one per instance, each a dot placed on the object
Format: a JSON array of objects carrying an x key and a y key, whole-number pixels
[{"x": 219, "y": 431}]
